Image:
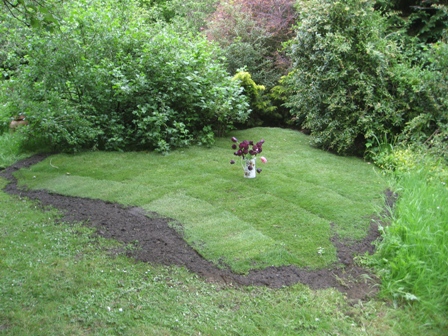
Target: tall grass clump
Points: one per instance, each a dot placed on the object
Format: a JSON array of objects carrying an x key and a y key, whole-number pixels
[
  {"x": 413, "y": 255},
  {"x": 11, "y": 151}
]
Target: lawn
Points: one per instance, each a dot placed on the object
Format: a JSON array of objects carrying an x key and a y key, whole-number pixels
[
  {"x": 285, "y": 216},
  {"x": 61, "y": 279}
]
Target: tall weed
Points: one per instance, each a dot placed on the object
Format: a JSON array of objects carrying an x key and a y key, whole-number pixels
[
  {"x": 412, "y": 258},
  {"x": 10, "y": 152}
]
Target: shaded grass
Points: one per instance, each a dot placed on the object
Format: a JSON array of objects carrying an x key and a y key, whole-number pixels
[
  {"x": 282, "y": 217},
  {"x": 10, "y": 144},
  {"x": 58, "y": 279}
]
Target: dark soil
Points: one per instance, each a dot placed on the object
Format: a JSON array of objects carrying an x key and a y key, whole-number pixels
[{"x": 157, "y": 243}]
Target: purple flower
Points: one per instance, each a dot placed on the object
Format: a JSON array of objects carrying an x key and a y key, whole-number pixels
[
  {"x": 248, "y": 150},
  {"x": 244, "y": 144}
]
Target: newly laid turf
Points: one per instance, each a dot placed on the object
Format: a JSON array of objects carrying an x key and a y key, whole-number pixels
[
  {"x": 283, "y": 216},
  {"x": 59, "y": 279}
]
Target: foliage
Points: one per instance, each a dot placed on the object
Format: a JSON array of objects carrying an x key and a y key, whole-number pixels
[
  {"x": 11, "y": 151},
  {"x": 350, "y": 83},
  {"x": 251, "y": 34},
  {"x": 251, "y": 89},
  {"x": 32, "y": 13},
  {"x": 192, "y": 14},
  {"x": 437, "y": 143},
  {"x": 424, "y": 19},
  {"x": 411, "y": 257},
  {"x": 110, "y": 81},
  {"x": 263, "y": 111}
]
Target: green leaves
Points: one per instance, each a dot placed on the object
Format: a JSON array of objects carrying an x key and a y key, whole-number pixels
[
  {"x": 140, "y": 86},
  {"x": 351, "y": 81},
  {"x": 33, "y": 13}
]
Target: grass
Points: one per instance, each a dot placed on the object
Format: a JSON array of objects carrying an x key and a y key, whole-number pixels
[
  {"x": 59, "y": 279},
  {"x": 10, "y": 149},
  {"x": 413, "y": 257},
  {"x": 282, "y": 217}
]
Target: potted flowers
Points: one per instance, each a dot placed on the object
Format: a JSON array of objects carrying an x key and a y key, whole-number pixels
[{"x": 248, "y": 151}]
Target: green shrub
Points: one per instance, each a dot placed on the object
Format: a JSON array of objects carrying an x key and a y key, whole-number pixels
[
  {"x": 424, "y": 19},
  {"x": 251, "y": 34},
  {"x": 108, "y": 80},
  {"x": 437, "y": 142},
  {"x": 263, "y": 111},
  {"x": 350, "y": 83}
]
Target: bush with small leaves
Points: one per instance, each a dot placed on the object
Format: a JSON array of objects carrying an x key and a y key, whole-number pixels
[
  {"x": 350, "y": 83},
  {"x": 109, "y": 80}
]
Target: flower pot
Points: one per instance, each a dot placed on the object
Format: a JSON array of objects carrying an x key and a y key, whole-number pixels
[{"x": 249, "y": 168}]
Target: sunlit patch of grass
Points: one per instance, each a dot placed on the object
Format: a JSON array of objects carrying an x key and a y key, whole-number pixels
[{"x": 281, "y": 217}]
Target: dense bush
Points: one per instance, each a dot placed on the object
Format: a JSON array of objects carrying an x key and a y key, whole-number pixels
[
  {"x": 350, "y": 83},
  {"x": 185, "y": 15},
  {"x": 110, "y": 81},
  {"x": 251, "y": 34},
  {"x": 437, "y": 142},
  {"x": 425, "y": 20}
]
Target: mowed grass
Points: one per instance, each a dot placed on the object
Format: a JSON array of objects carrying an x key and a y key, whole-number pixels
[
  {"x": 60, "y": 279},
  {"x": 284, "y": 216}
]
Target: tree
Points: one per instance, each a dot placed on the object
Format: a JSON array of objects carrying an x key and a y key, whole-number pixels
[
  {"x": 32, "y": 13},
  {"x": 251, "y": 32}
]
